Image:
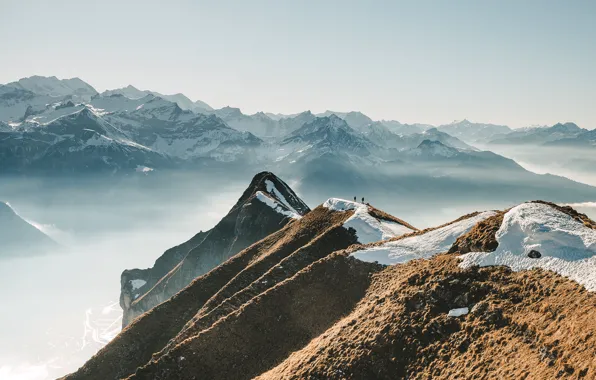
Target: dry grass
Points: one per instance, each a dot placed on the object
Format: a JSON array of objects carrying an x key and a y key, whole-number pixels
[
  {"x": 481, "y": 238},
  {"x": 150, "y": 333},
  {"x": 379, "y": 214},
  {"x": 530, "y": 324},
  {"x": 287, "y": 309},
  {"x": 266, "y": 330}
]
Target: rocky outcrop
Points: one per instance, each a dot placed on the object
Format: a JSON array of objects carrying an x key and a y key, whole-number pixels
[{"x": 266, "y": 206}]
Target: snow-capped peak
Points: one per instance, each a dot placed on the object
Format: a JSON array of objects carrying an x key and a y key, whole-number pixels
[
  {"x": 55, "y": 87},
  {"x": 435, "y": 149}
]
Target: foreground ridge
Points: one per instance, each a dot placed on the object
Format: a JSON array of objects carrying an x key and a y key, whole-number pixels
[{"x": 317, "y": 299}]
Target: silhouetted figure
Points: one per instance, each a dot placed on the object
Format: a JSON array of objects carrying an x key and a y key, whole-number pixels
[
  {"x": 362, "y": 199},
  {"x": 354, "y": 198}
]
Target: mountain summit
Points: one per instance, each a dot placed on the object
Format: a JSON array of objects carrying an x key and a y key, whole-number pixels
[
  {"x": 267, "y": 205},
  {"x": 55, "y": 87}
]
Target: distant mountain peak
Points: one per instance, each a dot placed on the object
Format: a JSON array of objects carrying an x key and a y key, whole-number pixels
[
  {"x": 568, "y": 126},
  {"x": 55, "y": 87},
  {"x": 435, "y": 149}
]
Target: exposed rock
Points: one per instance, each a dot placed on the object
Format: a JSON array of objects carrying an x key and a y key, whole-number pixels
[{"x": 533, "y": 254}]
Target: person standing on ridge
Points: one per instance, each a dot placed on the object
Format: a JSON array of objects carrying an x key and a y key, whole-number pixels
[
  {"x": 362, "y": 199},
  {"x": 354, "y": 198}
]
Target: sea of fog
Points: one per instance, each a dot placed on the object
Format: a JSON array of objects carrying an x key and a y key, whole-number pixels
[{"x": 59, "y": 308}]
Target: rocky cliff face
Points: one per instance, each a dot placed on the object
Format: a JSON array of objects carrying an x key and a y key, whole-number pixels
[{"x": 266, "y": 206}]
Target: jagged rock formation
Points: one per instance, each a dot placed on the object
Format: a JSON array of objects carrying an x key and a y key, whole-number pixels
[
  {"x": 310, "y": 302},
  {"x": 265, "y": 207}
]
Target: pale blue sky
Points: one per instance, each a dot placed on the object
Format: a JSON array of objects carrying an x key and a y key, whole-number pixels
[{"x": 517, "y": 62}]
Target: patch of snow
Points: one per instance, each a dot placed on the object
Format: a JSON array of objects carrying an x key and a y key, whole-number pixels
[
  {"x": 336, "y": 204},
  {"x": 422, "y": 246},
  {"x": 393, "y": 228},
  {"x": 143, "y": 169},
  {"x": 458, "y": 312},
  {"x": 271, "y": 189},
  {"x": 136, "y": 284},
  {"x": 97, "y": 111},
  {"x": 567, "y": 247},
  {"x": 278, "y": 207},
  {"x": 304, "y": 149},
  {"x": 368, "y": 228}
]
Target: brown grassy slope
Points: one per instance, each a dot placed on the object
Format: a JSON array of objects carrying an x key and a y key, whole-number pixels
[
  {"x": 481, "y": 238},
  {"x": 530, "y": 324},
  {"x": 380, "y": 214},
  {"x": 239, "y": 229},
  {"x": 247, "y": 222},
  {"x": 317, "y": 223},
  {"x": 150, "y": 332},
  {"x": 335, "y": 238},
  {"x": 267, "y": 329}
]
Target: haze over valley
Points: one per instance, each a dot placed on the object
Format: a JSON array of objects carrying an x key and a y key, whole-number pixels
[{"x": 297, "y": 190}]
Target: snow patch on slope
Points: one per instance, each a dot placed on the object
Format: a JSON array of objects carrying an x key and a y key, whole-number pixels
[
  {"x": 136, "y": 284},
  {"x": 275, "y": 205},
  {"x": 567, "y": 247},
  {"x": 458, "y": 312},
  {"x": 271, "y": 189},
  {"x": 422, "y": 246},
  {"x": 368, "y": 228}
]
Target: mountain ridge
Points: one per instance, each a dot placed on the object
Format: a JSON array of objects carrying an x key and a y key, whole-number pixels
[
  {"x": 311, "y": 301},
  {"x": 266, "y": 205}
]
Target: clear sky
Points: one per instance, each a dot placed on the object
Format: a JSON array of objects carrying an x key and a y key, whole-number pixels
[{"x": 515, "y": 62}]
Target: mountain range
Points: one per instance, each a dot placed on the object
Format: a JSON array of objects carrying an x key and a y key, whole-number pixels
[
  {"x": 50, "y": 126},
  {"x": 346, "y": 290}
]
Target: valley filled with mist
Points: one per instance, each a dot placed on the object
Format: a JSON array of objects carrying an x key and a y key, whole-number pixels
[{"x": 67, "y": 297}]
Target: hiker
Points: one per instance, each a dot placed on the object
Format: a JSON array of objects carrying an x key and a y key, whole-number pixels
[
  {"x": 354, "y": 198},
  {"x": 362, "y": 199}
]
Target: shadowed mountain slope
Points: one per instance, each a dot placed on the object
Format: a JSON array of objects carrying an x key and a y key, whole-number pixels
[{"x": 265, "y": 207}]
